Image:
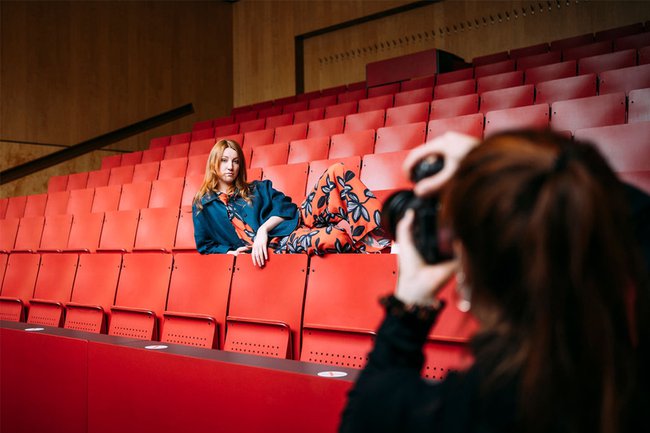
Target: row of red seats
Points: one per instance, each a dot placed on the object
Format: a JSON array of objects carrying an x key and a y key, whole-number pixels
[{"x": 235, "y": 306}]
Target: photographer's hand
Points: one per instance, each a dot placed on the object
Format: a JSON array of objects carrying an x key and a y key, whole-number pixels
[
  {"x": 452, "y": 147},
  {"x": 418, "y": 281}
]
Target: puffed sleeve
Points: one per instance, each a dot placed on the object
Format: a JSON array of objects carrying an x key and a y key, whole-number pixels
[{"x": 272, "y": 202}]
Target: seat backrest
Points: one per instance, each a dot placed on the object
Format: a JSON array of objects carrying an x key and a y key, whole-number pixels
[
  {"x": 285, "y": 134},
  {"x": 98, "y": 178},
  {"x": 270, "y": 111},
  {"x": 19, "y": 282},
  {"x": 134, "y": 196},
  {"x": 183, "y": 137},
  {"x": 617, "y": 32},
  {"x": 499, "y": 81},
  {"x": 258, "y": 138},
  {"x": 323, "y": 101},
  {"x": 400, "y": 137},
  {"x": 413, "y": 113},
  {"x": 384, "y": 171},
  {"x": 191, "y": 187},
  {"x": 624, "y": 80},
  {"x": 454, "y": 107},
  {"x": 252, "y": 125},
  {"x": 470, "y": 124},
  {"x": 56, "y": 232},
  {"x": 318, "y": 167},
  {"x": 146, "y": 172},
  {"x": 8, "y": 232},
  {"x": 77, "y": 181},
  {"x": 156, "y": 229},
  {"x": 111, "y": 161},
  {"x": 639, "y": 110},
  {"x": 381, "y": 102},
  {"x": 507, "y": 98},
  {"x": 420, "y": 83},
  {"x": 310, "y": 149},
  {"x": 121, "y": 175},
  {"x": 159, "y": 142},
  {"x": 80, "y": 201},
  {"x": 4, "y": 203},
  {"x": 456, "y": 88},
  {"x": 196, "y": 165},
  {"x": 363, "y": 121},
  {"x": 295, "y": 106},
  {"x": 194, "y": 291},
  {"x": 588, "y": 112},
  {"x": 352, "y": 95},
  {"x": 279, "y": 120},
  {"x": 588, "y": 50},
  {"x": 54, "y": 283},
  {"x": 606, "y": 62},
  {"x": 562, "y": 89},
  {"x": 177, "y": 151},
  {"x": 209, "y": 133},
  {"x": 494, "y": 68},
  {"x": 166, "y": 193},
  {"x": 357, "y": 143},
  {"x": 289, "y": 178},
  {"x": 172, "y": 168},
  {"x": 202, "y": 147},
  {"x": 341, "y": 109},
  {"x": 16, "y": 207},
  {"x": 553, "y": 71},
  {"x": 540, "y": 59},
  {"x": 415, "y": 96},
  {"x": 85, "y": 232},
  {"x": 57, "y": 203},
  {"x": 638, "y": 40},
  {"x": 624, "y": 146},
  {"x": 35, "y": 205},
  {"x": 325, "y": 127},
  {"x": 118, "y": 232},
  {"x": 383, "y": 90},
  {"x": 455, "y": 76},
  {"x": 152, "y": 155},
  {"x": 185, "y": 230},
  {"x": 489, "y": 59},
  {"x": 3, "y": 266},
  {"x": 271, "y": 154},
  {"x": 306, "y": 116},
  {"x": 29, "y": 233},
  {"x": 532, "y": 116},
  {"x": 274, "y": 293},
  {"x": 572, "y": 41},
  {"x": 131, "y": 158},
  {"x": 345, "y": 307},
  {"x": 57, "y": 183}
]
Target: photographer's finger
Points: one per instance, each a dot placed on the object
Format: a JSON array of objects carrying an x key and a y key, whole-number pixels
[
  {"x": 431, "y": 185},
  {"x": 418, "y": 154},
  {"x": 404, "y": 238}
]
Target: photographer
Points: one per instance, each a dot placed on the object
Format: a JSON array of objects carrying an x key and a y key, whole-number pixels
[{"x": 544, "y": 242}]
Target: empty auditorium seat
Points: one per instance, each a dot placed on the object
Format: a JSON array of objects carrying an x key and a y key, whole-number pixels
[
  {"x": 153, "y": 155},
  {"x": 290, "y": 179},
  {"x": 183, "y": 137},
  {"x": 375, "y": 103},
  {"x": 500, "y": 81},
  {"x": 53, "y": 289},
  {"x": 198, "y": 301},
  {"x": 57, "y": 203},
  {"x": 418, "y": 83},
  {"x": 530, "y": 50},
  {"x": 624, "y": 146},
  {"x": 203, "y": 147},
  {"x": 491, "y": 58},
  {"x": 85, "y": 232},
  {"x": 18, "y": 285},
  {"x": 134, "y": 196},
  {"x": 532, "y": 116},
  {"x": 588, "y": 112},
  {"x": 562, "y": 89},
  {"x": 131, "y": 158},
  {"x": 203, "y": 124},
  {"x": 196, "y": 165},
  {"x": 470, "y": 124},
  {"x": 400, "y": 137},
  {"x": 208, "y": 133},
  {"x": 507, "y": 98},
  {"x": 29, "y": 233},
  {"x": 121, "y": 175},
  {"x": 8, "y": 232},
  {"x": 334, "y": 90},
  {"x": 386, "y": 89},
  {"x": 341, "y": 319},
  {"x": 172, "y": 168},
  {"x": 342, "y": 109},
  {"x": 279, "y": 120},
  {"x": 159, "y": 142},
  {"x": 545, "y": 58},
  {"x": 639, "y": 110},
  {"x": 325, "y": 127},
  {"x": 357, "y": 85},
  {"x": 404, "y": 114},
  {"x": 265, "y": 310},
  {"x": 111, "y": 161},
  {"x": 384, "y": 171},
  {"x": 271, "y": 154},
  {"x": 77, "y": 181},
  {"x": 295, "y": 106},
  {"x": 454, "y": 107},
  {"x": 457, "y": 88},
  {"x": 156, "y": 229},
  {"x": 554, "y": 71},
  {"x": 166, "y": 193},
  {"x": 4, "y": 203},
  {"x": 35, "y": 205},
  {"x": 306, "y": 116},
  {"x": 222, "y": 131},
  {"x": 185, "y": 231},
  {"x": 118, "y": 231},
  {"x": 93, "y": 292},
  {"x": 605, "y": 62},
  {"x": 573, "y": 41},
  {"x": 310, "y": 149},
  {"x": 57, "y": 183},
  {"x": 254, "y": 174},
  {"x": 624, "y": 80},
  {"x": 632, "y": 29},
  {"x": 363, "y": 121},
  {"x": 177, "y": 151},
  {"x": 258, "y": 138},
  {"x": 141, "y": 296},
  {"x": 494, "y": 68},
  {"x": 224, "y": 120},
  {"x": 146, "y": 172},
  {"x": 352, "y": 96},
  {"x": 589, "y": 50},
  {"x": 269, "y": 111},
  {"x": 414, "y": 96},
  {"x": 633, "y": 41},
  {"x": 191, "y": 187},
  {"x": 80, "y": 201},
  {"x": 318, "y": 167},
  {"x": 16, "y": 207},
  {"x": 356, "y": 143},
  {"x": 56, "y": 231},
  {"x": 454, "y": 76},
  {"x": 322, "y": 101},
  {"x": 251, "y": 125},
  {"x": 245, "y": 116}
]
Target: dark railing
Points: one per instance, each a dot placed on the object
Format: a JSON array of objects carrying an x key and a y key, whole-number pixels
[{"x": 96, "y": 143}]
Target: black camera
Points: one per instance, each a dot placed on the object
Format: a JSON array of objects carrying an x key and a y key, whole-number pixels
[{"x": 426, "y": 236}]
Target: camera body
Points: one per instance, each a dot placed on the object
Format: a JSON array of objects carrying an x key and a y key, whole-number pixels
[{"x": 426, "y": 235}]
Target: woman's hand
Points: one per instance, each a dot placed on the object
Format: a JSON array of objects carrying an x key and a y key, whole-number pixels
[
  {"x": 260, "y": 250},
  {"x": 418, "y": 282},
  {"x": 452, "y": 147},
  {"x": 239, "y": 251}
]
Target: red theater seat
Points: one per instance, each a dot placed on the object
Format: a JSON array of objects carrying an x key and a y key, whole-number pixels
[
  {"x": 310, "y": 149},
  {"x": 295, "y": 106},
  {"x": 471, "y": 124},
  {"x": 112, "y": 161},
  {"x": 605, "y": 62},
  {"x": 418, "y": 83},
  {"x": 604, "y": 35},
  {"x": 341, "y": 319},
  {"x": 414, "y": 96},
  {"x": 135, "y": 196},
  {"x": 633, "y": 41},
  {"x": 191, "y": 187},
  {"x": 53, "y": 289},
  {"x": 152, "y": 155},
  {"x": 325, "y": 127},
  {"x": 77, "y": 181},
  {"x": 196, "y": 165},
  {"x": 454, "y": 76},
  {"x": 554, "y": 71},
  {"x": 57, "y": 203},
  {"x": 624, "y": 146},
  {"x": 494, "y": 68},
  {"x": 454, "y": 107},
  {"x": 203, "y": 147},
  {"x": 158, "y": 142},
  {"x": 85, "y": 232},
  {"x": 245, "y": 116},
  {"x": 386, "y": 89},
  {"x": 491, "y": 58},
  {"x": 18, "y": 285},
  {"x": 185, "y": 231},
  {"x": 172, "y": 168},
  {"x": 271, "y": 154},
  {"x": 29, "y": 233},
  {"x": 624, "y": 80},
  {"x": 131, "y": 158},
  {"x": 35, "y": 205},
  {"x": 317, "y": 168},
  {"x": 588, "y": 112},
  {"x": 8, "y": 232},
  {"x": 184, "y": 137},
  {"x": 222, "y": 131},
  {"x": 323, "y": 101},
  {"x": 594, "y": 49},
  {"x": 357, "y": 143},
  {"x": 376, "y": 103},
  {"x": 342, "y": 109},
  {"x": 400, "y": 137},
  {"x": 177, "y": 151},
  {"x": 573, "y": 41},
  {"x": 290, "y": 179},
  {"x": 533, "y": 116},
  {"x": 581, "y": 86},
  {"x": 457, "y": 88},
  {"x": 363, "y": 121},
  {"x": 198, "y": 301},
  {"x": 269, "y": 111},
  {"x": 56, "y": 232},
  {"x": 121, "y": 175},
  {"x": 500, "y": 81},
  {"x": 307, "y": 116},
  {"x": 285, "y": 134},
  {"x": 384, "y": 171},
  {"x": 16, "y": 207},
  {"x": 639, "y": 110},
  {"x": 252, "y": 125},
  {"x": 57, "y": 183},
  {"x": 156, "y": 229},
  {"x": 80, "y": 201},
  {"x": 507, "y": 98},
  {"x": 118, "y": 232},
  {"x": 279, "y": 120},
  {"x": 405, "y": 114},
  {"x": 265, "y": 310},
  {"x": 146, "y": 172},
  {"x": 208, "y": 133},
  {"x": 541, "y": 59},
  {"x": 98, "y": 178},
  {"x": 352, "y": 96},
  {"x": 166, "y": 193}
]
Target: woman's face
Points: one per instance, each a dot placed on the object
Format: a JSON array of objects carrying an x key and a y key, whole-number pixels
[{"x": 228, "y": 167}]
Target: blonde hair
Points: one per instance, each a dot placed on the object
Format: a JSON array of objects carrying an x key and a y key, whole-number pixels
[{"x": 211, "y": 179}]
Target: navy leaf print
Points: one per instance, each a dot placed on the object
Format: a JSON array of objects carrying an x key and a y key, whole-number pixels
[
  {"x": 377, "y": 216},
  {"x": 358, "y": 231},
  {"x": 349, "y": 175}
]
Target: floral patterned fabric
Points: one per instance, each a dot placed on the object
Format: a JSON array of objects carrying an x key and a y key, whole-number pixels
[{"x": 340, "y": 215}]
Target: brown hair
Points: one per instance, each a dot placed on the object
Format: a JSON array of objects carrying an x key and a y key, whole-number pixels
[
  {"x": 550, "y": 261},
  {"x": 211, "y": 179}
]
